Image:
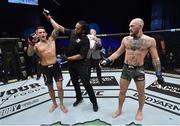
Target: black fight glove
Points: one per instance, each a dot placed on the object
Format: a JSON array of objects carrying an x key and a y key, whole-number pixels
[
  {"x": 47, "y": 14},
  {"x": 160, "y": 79},
  {"x": 31, "y": 39}
]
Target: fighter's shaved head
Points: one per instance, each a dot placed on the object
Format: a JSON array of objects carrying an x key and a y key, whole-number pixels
[{"x": 138, "y": 21}]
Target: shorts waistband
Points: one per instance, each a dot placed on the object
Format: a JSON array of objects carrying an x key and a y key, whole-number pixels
[
  {"x": 132, "y": 66},
  {"x": 49, "y": 66}
]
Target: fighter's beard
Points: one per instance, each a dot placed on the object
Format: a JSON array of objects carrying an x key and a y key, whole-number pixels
[{"x": 133, "y": 35}]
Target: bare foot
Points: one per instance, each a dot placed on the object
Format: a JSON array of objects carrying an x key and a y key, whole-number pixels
[
  {"x": 116, "y": 114},
  {"x": 139, "y": 115},
  {"x": 63, "y": 108},
  {"x": 52, "y": 108}
]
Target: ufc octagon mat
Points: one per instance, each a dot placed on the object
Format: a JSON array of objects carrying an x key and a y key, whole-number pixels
[{"x": 27, "y": 103}]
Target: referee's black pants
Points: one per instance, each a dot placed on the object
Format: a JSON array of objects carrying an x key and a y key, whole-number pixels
[{"x": 80, "y": 71}]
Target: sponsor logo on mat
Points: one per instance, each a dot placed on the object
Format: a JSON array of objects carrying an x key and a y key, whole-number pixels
[
  {"x": 106, "y": 81},
  {"x": 96, "y": 122},
  {"x": 167, "y": 88}
]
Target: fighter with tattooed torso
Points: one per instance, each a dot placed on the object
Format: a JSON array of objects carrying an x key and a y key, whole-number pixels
[{"x": 136, "y": 46}]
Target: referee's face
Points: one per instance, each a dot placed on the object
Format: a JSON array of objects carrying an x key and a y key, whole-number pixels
[{"x": 78, "y": 29}]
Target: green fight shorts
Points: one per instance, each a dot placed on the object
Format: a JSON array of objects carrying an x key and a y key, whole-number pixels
[{"x": 135, "y": 72}]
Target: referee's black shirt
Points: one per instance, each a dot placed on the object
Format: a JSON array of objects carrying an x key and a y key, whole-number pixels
[{"x": 77, "y": 45}]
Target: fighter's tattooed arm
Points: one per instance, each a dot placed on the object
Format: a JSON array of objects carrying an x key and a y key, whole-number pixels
[
  {"x": 157, "y": 64},
  {"x": 57, "y": 26},
  {"x": 55, "y": 33},
  {"x": 154, "y": 55}
]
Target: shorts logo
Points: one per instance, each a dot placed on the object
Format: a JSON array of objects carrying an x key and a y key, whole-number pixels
[{"x": 78, "y": 40}]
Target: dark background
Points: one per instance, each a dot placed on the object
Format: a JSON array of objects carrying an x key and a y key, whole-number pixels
[
  {"x": 110, "y": 16},
  {"x": 19, "y": 20}
]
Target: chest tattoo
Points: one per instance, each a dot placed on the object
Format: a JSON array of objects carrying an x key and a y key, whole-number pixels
[{"x": 138, "y": 44}]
